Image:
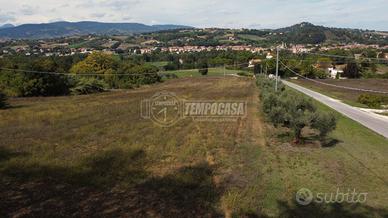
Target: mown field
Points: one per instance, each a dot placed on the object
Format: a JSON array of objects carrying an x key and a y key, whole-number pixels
[
  {"x": 347, "y": 96},
  {"x": 95, "y": 156}
]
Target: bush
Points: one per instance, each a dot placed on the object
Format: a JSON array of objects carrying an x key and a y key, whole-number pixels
[
  {"x": 203, "y": 72},
  {"x": 352, "y": 71},
  {"x": 142, "y": 75},
  {"x": 29, "y": 84},
  {"x": 3, "y": 100},
  {"x": 372, "y": 101},
  {"x": 87, "y": 86},
  {"x": 203, "y": 68},
  {"x": 244, "y": 74},
  {"x": 320, "y": 74}
]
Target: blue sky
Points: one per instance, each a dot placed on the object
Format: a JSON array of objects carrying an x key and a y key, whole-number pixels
[{"x": 367, "y": 14}]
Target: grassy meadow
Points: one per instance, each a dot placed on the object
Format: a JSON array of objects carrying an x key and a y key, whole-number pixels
[
  {"x": 212, "y": 72},
  {"x": 95, "y": 156}
]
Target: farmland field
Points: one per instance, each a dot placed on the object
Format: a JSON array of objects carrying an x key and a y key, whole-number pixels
[
  {"x": 251, "y": 37},
  {"x": 95, "y": 156},
  {"x": 159, "y": 64},
  {"x": 347, "y": 96}
]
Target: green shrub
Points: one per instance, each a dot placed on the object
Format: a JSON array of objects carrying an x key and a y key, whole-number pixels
[
  {"x": 203, "y": 68},
  {"x": 3, "y": 100},
  {"x": 372, "y": 101},
  {"x": 85, "y": 86},
  {"x": 245, "y": 74},
  {"x": 320, "y": 74},
  {"x": 30, "y": 84},
  {"x": 203, "y": 72},
  {"x": 142, "y": 75}
]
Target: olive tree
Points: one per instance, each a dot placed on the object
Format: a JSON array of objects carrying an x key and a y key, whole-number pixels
[{"x": 324, "y": 122}]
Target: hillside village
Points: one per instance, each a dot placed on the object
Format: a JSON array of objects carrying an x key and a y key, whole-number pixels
[
  {"x": 113, "y": 46},
  {"x": 199, "y": 40}
]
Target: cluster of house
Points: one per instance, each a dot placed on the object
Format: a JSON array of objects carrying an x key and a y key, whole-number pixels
[
  {"x": 295, "y": 49},
  {"x": 46, "y": 50},
  {"x": 298, "y": 49},
  {"x": 64, "y": 49},
  {"x": 333, "y": 72},
  {"x": 184, "y": 49},
  {"x": 352, "y": 46}
]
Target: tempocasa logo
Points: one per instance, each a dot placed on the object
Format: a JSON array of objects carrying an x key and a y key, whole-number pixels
[{"x": 166, "y": 109}]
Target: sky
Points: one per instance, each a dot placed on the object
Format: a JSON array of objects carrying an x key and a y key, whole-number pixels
[{"x": 253, "y": 14}]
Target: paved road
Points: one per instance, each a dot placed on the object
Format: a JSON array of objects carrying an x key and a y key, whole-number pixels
[{"x": 377, "y": 123}]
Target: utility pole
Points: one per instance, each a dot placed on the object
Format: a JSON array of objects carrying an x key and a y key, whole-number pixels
[{"x": 277, "y": 68}]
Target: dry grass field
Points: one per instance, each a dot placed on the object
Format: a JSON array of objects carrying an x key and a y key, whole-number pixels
[{"x": 94, "y": 156}]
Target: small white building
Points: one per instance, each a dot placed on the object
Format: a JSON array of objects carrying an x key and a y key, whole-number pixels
[
  {"x": 253, "y": 62},
  {"x": 333, "y": 72}
]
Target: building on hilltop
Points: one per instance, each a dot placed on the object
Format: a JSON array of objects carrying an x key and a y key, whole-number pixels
[{"x": 335, "y": 73}]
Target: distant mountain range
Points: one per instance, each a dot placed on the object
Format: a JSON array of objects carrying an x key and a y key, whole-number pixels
[
  {"x": 63, "y": 29},
  {"x": 307, "y": 33},
  {"x": 6, "y": 26},
  {"x": 303, "y": 33}
]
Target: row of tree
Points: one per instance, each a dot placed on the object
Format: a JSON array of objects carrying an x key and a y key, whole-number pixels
[
  {"x": 293, "y": 110},
  {"x": 53, "y": 76}
]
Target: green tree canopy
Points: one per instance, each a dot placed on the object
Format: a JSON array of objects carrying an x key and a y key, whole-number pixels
[{"x": 96, "y": 63}]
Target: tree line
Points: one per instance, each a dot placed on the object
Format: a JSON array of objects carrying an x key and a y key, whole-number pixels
[
  {"x": 294, "y": 111},
  {"x": 54, "y": 76}
]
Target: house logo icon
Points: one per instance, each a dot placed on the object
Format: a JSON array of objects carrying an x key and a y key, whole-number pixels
[{"x": 164, "y": 109}]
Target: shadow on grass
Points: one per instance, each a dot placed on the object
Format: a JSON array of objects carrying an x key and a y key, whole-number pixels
[
  {"x": 11, "y": 107},
  {"x": 331, "y": 143},
  {"x": 335, "y": 210},
  {"x": 6, "y": 154},
  {"x": 309, "y": 139},
  {"x": 113, "y": 183},
  {"x": 189, "y": 192},
  {"x": 103, "y": 169}
]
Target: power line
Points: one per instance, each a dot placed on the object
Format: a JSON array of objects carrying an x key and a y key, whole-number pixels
[
  {"x": 337, "y": 86},
  {"x": 114, "y": 74}
]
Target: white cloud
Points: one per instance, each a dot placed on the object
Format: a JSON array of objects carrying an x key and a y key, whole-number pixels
[{"x": 203, "y": 13}]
